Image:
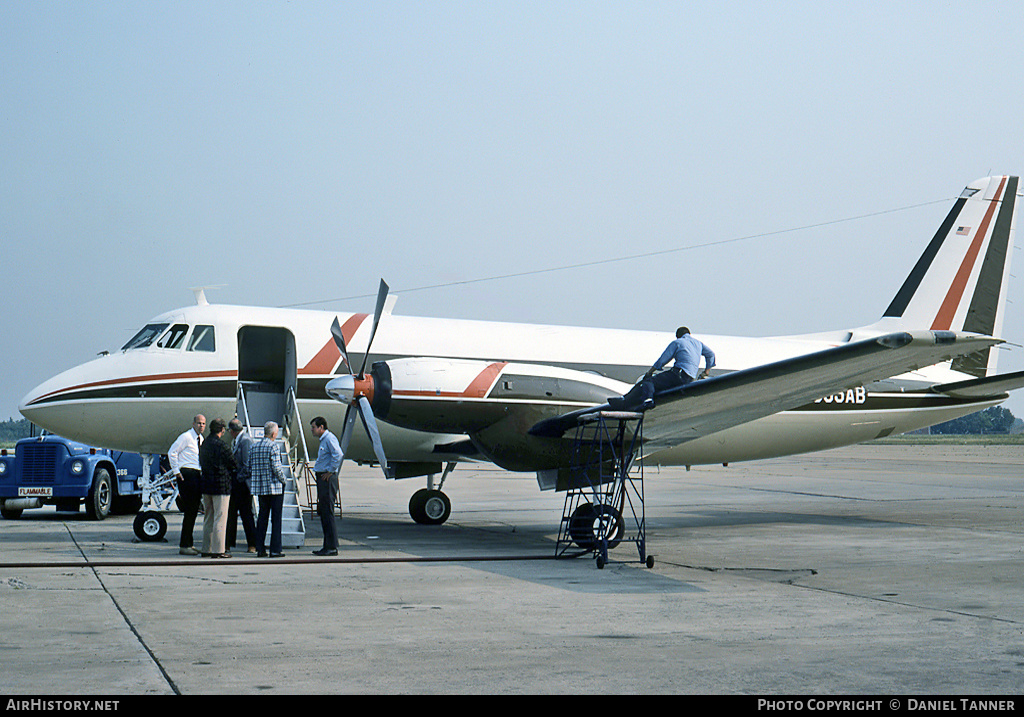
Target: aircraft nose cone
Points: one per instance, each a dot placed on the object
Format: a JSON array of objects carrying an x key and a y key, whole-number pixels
[
  {"x": 342, "y": 388},
  {"x": 37, "y": 410}
]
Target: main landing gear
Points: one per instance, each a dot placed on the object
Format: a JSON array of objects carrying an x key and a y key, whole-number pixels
[{"x": 429, "y": 506}]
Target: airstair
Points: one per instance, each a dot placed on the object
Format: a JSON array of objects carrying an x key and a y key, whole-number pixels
[
  {"x": 293, "y": 527},
  {"x": 604, "y": 503}
]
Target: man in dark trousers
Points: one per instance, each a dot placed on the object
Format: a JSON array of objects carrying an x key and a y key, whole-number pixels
[
  {"x": 267, "y": 483},
  {"x": 686, "y": 353},
  {"x": 328, "y": 461},
  {"x": 183, "y": 456},
  {"x": 241, "y": 499}
]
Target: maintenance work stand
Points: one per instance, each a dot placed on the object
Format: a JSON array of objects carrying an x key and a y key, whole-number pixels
[{"x": 604, "y": 505}]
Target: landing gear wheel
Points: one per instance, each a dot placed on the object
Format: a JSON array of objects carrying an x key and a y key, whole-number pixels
[
  {"x": 587, "y": 520},
  {"x": 150, "y": 526},
  {"x": 429, "y": 507}
]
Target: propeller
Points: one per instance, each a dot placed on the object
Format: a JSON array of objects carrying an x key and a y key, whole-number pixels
[{"x": 356, "y": 390}]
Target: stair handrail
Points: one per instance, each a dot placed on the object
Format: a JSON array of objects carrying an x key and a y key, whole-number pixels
[
  {"x": 245, "y": 408},
  {"x": 304, "y": 470}
]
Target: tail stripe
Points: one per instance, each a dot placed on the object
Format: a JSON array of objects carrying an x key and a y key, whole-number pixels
[
  {"x": 983, "y": 313},
  {"x": 906, "y": 292},
  {"x": 944, "y": 319},
  {"x": 981, "y": 318}
]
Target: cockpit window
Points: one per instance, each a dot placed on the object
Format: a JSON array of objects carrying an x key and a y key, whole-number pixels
[
  {"x": 202, "y": 339},
  {"x": 145, "y": 337},
  {"x": 174, "y": 337}
]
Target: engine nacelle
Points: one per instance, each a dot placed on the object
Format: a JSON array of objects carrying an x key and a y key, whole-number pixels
[{"x": 467, "y": 395}]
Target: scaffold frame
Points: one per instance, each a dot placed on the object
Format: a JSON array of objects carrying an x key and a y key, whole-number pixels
[{"x": 604, "y": 503}]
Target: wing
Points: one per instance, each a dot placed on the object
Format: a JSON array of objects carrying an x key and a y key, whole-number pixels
[{"x": 714, "y": 404}]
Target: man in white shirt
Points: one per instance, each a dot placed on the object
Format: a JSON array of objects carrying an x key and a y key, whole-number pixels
[{"x": 184, "y": 458}]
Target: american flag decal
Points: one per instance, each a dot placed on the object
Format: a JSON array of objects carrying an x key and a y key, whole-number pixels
[{"x": 963, "y": 231}]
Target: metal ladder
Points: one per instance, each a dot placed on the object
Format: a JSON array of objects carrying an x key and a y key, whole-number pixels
[
  {"x": 293, "y": 527},
  {"x": 604, "y": 505}
]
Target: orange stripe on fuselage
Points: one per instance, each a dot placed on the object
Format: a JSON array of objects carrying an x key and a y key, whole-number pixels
[
  {"x": 479, "y": 387},
  {"x": 327, "y": 358},
  {"x": 944, "y": 319}
]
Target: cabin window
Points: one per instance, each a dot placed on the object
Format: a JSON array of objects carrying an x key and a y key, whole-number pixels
[
  {"x": 145, "y": 337},
  {"x": 202, "y": 339},
  {"x": 174, "y": 337}
]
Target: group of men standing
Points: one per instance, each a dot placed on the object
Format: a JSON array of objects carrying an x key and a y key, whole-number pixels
[{"x": 223, "y": 480}]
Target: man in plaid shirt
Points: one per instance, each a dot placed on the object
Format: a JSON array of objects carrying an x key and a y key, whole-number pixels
[{"x": 266, "y": 481}]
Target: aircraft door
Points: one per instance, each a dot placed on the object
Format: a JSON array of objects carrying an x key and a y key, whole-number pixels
[{"x": 266, "y": 374}]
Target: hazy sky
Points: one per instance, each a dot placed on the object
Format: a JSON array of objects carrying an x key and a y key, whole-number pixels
[{"x": 296, "y": 152}]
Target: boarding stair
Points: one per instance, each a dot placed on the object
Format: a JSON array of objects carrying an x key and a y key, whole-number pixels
[{"x": 293, "y": 526}]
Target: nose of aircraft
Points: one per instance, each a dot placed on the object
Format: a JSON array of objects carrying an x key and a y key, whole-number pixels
[
  {"x": 120, "y": 401},
  {"x": 34, "y": 404},
  {"x": 54, "y": 404}
]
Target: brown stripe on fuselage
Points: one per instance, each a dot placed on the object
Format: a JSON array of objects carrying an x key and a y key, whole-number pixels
[
  {"x": 327, "y": 358},
  {"x": 60, "y": 394}
]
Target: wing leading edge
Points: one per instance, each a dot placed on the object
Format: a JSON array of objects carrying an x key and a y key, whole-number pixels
[{"x": 714, "y": 404}]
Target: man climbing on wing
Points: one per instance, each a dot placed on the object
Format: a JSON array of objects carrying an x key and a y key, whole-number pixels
[{"x": 686, "y": 353}]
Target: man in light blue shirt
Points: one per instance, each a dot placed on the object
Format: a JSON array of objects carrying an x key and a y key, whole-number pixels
[
  {"x": 686, "y": 353},
  {"x": 328, "y": 461}
]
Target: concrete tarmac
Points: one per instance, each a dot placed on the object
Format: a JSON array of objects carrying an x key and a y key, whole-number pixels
[{"x": 876, "y": 569}]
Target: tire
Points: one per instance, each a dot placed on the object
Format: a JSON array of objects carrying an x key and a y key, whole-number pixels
[
  {"x": 150, "y": 526},
  {"x": 10, "y": 513},
  {"x": 585, "y": 523},
  {"x": 429, "y": 507},
  {"x": 101, "y": 495}
]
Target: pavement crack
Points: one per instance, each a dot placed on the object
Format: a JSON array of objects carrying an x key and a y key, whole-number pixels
[
  {"x": 791, "y": 576},
  {"x": 127, "y": 620},
  {"x": 773, "y": 575}
]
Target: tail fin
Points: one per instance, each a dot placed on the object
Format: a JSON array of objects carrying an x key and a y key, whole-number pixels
[{"x": 959, "y": 283}]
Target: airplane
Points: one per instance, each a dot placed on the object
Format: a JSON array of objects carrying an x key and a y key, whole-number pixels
[{"x": 440, "y": 392}]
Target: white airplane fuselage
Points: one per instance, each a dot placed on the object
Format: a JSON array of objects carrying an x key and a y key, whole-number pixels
[{"x": 140, "y": 399}]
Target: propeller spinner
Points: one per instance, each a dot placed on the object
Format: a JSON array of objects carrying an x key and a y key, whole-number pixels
[{"x": 356, "y": 390}]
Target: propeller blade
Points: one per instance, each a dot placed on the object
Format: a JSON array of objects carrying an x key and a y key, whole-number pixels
[
  {"x": 346, "y": 431},
  {"x": 370, "y": 424},
  {"x": 339, "y": 341},
  {"x": 382, "y": 295}
]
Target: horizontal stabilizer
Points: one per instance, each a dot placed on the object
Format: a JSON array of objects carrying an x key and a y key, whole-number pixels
[{"x": 988, "y": 387}]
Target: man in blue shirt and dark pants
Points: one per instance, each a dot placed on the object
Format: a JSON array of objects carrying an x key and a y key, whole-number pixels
[
  {"x": 328, "y": 461},
  {"x": 686, "y": 352}
]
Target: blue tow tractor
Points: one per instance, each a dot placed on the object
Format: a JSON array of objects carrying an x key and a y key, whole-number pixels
[{"x": 52, "y": 470}]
